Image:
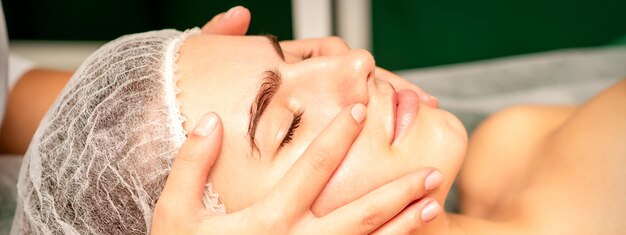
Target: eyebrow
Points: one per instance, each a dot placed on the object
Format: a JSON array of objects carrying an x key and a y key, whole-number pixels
[
  {"x": 271, "y": 81},
  {"x": 274, "y": 41}
]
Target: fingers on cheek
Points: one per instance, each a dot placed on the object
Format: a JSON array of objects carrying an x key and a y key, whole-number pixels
[{"x": 381, "y": 110}]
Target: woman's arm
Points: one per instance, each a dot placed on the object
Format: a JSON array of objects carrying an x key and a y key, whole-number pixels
[{"x": 27, "y": 104}]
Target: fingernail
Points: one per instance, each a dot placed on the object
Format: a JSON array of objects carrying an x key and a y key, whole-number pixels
[
  {"x": 430, "y": 211},
  {"x": 433, "y": 180},
  {"x": 427, "y": 97},
  {"x": 206, "y": 125},
  {"x": 231, "y": 12},
  {"x": 433, "y": 101},
  {"x": 432, "y": 97},
  {"x": 358, "y": 112}
]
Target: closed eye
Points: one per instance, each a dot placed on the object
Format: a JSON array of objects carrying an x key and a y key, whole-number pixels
[{"x": 297, "y": 117}]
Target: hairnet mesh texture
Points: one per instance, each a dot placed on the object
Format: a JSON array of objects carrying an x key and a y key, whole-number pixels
[{"x": 100, "y": 158}]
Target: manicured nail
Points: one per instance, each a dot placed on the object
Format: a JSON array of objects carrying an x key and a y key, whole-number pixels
[
  {"x": 432, "y": 97},
  {"x": 433, "y": 180},
  {"x": 231, "y": 12},
  {"x": 358, "y": 112},
  {"x": 427, "y": 97},
  {"x": 206, "y": 125},
  {"x": 430, "y": 211}
]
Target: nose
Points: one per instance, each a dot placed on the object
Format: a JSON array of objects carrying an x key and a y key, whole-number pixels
[
  {"x": 362, "y": 63},
  {"x": 341, "y": 79}
]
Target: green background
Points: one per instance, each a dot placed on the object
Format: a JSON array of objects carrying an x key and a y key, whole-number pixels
[
  {"x": 434, "y": 32},
  {"x": 406, "y": 33}
]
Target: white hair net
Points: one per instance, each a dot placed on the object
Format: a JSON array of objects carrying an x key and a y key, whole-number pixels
[{"x": 100, "y": 158}]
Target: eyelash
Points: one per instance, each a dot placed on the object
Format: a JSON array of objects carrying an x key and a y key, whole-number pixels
[{"x": 297, "y": 117}]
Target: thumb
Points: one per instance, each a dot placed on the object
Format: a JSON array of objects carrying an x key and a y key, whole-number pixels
[
  {"x": 187, "y": 179},
  {"x": 234, "y": 22}
]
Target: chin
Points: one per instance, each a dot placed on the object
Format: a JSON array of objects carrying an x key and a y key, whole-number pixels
[
  {"x": 435, "y": 130},
  {"x": 437, "y": 139},
  {"x": 455, "y": 130}
]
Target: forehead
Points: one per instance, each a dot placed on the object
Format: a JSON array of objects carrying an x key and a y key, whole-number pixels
[
  {"x": 225, "y": 47},
  {"x": 222, "y": 74}
]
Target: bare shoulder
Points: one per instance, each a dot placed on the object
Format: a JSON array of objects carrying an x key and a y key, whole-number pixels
[
  {"x": 592, "y": 140},
  {"x": 540, "y": 164},
  {"x": 503, "y": 146},
  {"x": 584, "y": 159},
  {"x": 598, "y": 127}
]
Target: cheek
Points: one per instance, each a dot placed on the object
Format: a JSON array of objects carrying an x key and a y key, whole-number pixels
[
  {"x": 316, "y": 117},
  {"x": 239, "y": 179}
]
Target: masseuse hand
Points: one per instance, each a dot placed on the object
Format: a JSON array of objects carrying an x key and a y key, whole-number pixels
[
  {"x": 236, "y": 21},
  {"x": 286, "y": 208}
]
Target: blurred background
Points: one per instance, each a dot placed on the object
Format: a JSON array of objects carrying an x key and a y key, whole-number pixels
[{"x": 402, "y": 34}]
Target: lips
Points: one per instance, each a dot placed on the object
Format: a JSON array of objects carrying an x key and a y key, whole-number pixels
[{"x": 406, "y": 110}]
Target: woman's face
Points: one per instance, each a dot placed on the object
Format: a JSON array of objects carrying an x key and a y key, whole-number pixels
[{"x": 273, "y": 105}]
